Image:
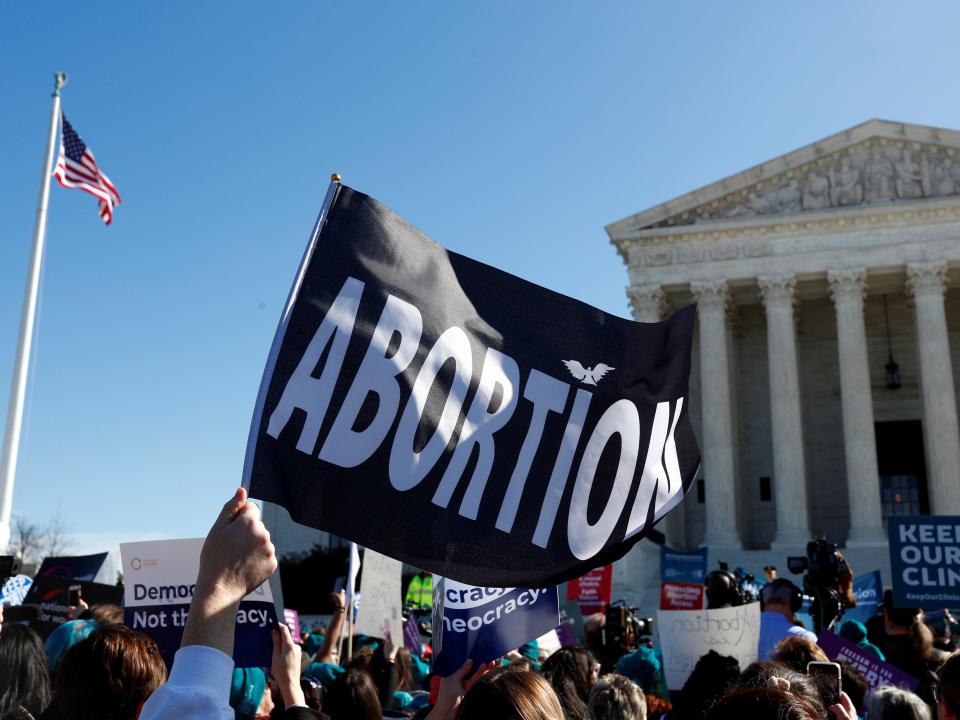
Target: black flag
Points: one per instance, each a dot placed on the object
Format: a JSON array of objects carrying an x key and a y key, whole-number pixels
[{"x": 463, "y": 420}]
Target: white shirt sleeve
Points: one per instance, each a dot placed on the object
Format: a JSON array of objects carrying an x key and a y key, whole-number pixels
[{"x": 198, "y": 687}]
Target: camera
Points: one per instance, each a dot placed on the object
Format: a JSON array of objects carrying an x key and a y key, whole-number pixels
[
  {"x": 9, "y": 566},
  {"x": 730, "y": 588},
  {"x": 623, "y": 631},
  {"x": 827, "y": 582}
]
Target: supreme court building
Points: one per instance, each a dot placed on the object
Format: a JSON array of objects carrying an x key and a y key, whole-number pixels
[{"x": 826, "y": 355}]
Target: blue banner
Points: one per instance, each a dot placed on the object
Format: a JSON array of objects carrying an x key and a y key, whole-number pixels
[
  {"x": 79, "y": 567},
  {"x": 684, "y": 567},
  {"x": 483, "y": 623},
  {"x": 925, "y": 561},
  {"x": 868, "y": 589}
]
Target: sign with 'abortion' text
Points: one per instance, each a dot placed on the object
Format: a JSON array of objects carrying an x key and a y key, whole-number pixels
[
  {"x": 500, "y": 433},
  {"x": 925, "y": 561},
  {"x": 483, "y": 623},
  {"x": 159, "y": 581}
]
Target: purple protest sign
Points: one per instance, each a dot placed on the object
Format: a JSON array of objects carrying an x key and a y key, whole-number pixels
[
  {"x": 877, "y": 672},
  {"x": 291, "y": 618}
]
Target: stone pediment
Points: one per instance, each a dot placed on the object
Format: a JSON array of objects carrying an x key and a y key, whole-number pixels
[{"x": 875, "y": 163}]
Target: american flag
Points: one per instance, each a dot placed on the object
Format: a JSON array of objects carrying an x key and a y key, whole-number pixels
[{"x": 76, "y": 168}]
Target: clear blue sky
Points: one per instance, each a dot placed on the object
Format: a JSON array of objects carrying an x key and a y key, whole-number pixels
[{"x": 509, "y": 131}]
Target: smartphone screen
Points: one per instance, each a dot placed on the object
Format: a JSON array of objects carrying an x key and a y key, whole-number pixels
[
  {"x": 338, "y": 585},
  {"x": 826, "y": 675},
  {"x": 73, "y": 596}
]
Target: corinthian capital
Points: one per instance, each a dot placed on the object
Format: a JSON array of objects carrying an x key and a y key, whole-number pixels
[
  {"x": 712, "y": 296},
  {"x": 778, "y": 289},
  {"x": 925, "y": 279},
  {"x": 649, "y": 302},
  {"x": 847, "y": 284}
]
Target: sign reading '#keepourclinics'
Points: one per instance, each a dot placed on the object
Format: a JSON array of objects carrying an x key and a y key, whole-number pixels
[
  {"x": 925, "y": 561},
  {"x": 495, "y": 431},
  {"x": 483, "y": 623},
  {"x": 159, "y": 580}
]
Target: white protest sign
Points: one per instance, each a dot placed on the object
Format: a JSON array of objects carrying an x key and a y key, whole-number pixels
[
  {"x": 15, "y": 590},
  {"x": 688, "y": 635},
  {"x": 159, "y": 580},
  {"x": 380, "y": 587}
]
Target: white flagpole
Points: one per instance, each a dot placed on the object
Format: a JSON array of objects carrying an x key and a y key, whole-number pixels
[{"x": 18, "y": 386}]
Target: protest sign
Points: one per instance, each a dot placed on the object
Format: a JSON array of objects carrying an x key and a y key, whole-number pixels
[
  {"x": 592, "y": 591},
  {"x": 688, "y": 635},
  {"x": 681, "y": 596},
  {"x": 291, "y": 618},
  {"x": 868, "y": 590},
  {"x": 79, "y": 567},
  {"x": 15, "y": 590},
  {"x": 483, "y": 623},
  {"x": 530, "y": 436},
  {"x": 159, "y": 580},
  {"x": 925, "y": 561},
  {"x": 683, "y": 567},
  {"x": 570, "y": 630},
  {"x": 877, "y": 673},
  {"x": 380, "y": 588},
  {"x": 51, "y": 595}
]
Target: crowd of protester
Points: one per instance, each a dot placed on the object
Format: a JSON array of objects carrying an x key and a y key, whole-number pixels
[{"x": 96, "y": 667}]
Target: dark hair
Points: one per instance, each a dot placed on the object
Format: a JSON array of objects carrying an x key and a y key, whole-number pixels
[
  {"x": 949, "y": 685},
  {"x": 802, "y": 685},
  {"x": 615, "y": 697},
  {"x": 404, "y": 672},
  {"x": 795, "y": 652},
  {"x": 353, "y": 696},
  {"x": 854, "y": 683},
  {"x": 108, "y": 675},
  {"x": 24, "y": 682},
  {"x": 312, "y": 693},
  {"x": 104, "y": 614},
  {"x": 712, "y": 676},
  {"x": 508, "y": 694},
  {"x": 761, "y": 704},
  {"x": 568, "y": 671}
]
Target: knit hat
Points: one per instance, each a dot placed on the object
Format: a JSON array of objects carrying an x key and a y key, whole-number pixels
[{"x": 246, "y": 691}]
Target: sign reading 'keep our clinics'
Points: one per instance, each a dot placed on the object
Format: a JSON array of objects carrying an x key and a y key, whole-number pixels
[
  {"x": 483, "y": 623},
  {"x": 500, "y": 433},
  {"x": 159, "y": 581},
  {"x": 925, "y": 560}
]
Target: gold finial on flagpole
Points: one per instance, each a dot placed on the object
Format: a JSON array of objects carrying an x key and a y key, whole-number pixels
[
  {"x": 59, "y": 80},
  {"x": 335, "y": 177}
]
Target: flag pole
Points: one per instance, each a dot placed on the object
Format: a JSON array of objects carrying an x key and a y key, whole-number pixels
[{"x": 18, "y": 386}]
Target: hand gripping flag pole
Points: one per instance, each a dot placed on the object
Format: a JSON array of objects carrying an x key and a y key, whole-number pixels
[{"x": 18, "y": 386}]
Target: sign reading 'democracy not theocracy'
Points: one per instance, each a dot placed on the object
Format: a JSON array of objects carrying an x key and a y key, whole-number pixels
[
  {"x": 688, "y": 635},
  {"x": 159, "y": 580},
  {"x": 461, "y": 419},
  {"x": 925, "y": 561},
  {"x": 483, "y": 623}
]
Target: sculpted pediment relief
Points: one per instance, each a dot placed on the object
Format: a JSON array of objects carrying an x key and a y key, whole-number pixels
[
  {"x": 874, "y": 163},
  {"x": 871, "y": 172}
]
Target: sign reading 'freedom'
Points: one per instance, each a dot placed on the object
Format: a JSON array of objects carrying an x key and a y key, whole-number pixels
[{"x": 461, "y": 419}]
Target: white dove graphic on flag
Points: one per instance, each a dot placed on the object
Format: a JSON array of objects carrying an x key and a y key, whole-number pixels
[{"x": 588, "y": 376}]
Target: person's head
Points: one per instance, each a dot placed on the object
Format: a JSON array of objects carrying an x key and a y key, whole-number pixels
[
  {"x": 312, "y": 693},
  {"x": 712, "y": 676},
  {"x": 63, "y": 638},
  {"x": 24, "y": 682},
  {"x": 757, "y": 675},
  {"x": 948, "y": 689},
  {"x": 795, "y": 652},
  {"x": 104, "y": 614},
  {"x": 761, "y": 704},
  {"x": 780, "y": 595},
  {"x": 721, "y": 590},
  {"x": 249, "y": 696},
  {"x": 892, "y": 703},
  {"x": 615, "y": 697},
  {"x": 353, "y": 696},
  {"x": 854, "y": 684},
  {"x": 899, "y": 621},
  {"x": 770, "y": 572},
  {"x": 508, "y": 694},
  {"x": 570, "y": 673},
  {"x": 404, "y": 671},
  {"x": 109, "y": 675}
]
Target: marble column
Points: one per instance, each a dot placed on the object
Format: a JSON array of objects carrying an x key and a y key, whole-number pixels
[
  {"x": 713, "y": 299},
  {"x": 789, "y": 474},
  {"x": 649, "y": 304},
  {"x": 926, "y": 283},
  {"x": 847, "y": 288}
]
